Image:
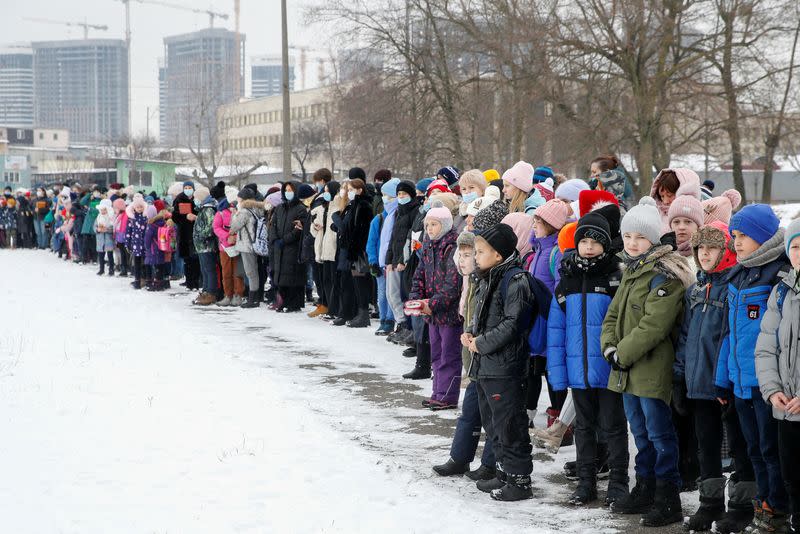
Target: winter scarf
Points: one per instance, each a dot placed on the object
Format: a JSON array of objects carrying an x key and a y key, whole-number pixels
[{"x": 770, "y": 250}]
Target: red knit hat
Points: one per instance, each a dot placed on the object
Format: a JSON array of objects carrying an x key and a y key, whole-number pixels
[
  {"x": 160, "y": 205},
  {"x": 594, "y": 198},
  {"x": 438, "y": 186}
]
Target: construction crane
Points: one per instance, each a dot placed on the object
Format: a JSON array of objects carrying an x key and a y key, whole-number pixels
[
  {"x": 84, "y": 25},
  {"x": 304, "y": 60},
  {"x": 238, "y": 84},
  {"x": 211, "y": 14}
]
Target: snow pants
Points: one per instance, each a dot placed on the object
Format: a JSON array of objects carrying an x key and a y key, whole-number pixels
[
  {"x": 502, "y": 408},
  {"x": 445, "y": 362}
]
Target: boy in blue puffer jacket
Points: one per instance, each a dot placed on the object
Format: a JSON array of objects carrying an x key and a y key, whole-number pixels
[
  {"x": 590, "y": 276},
  {"x": 705, "y": 316},
  {"x": 762, "y": 263}
]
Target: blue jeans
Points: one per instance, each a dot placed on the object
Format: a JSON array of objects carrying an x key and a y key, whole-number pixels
[
  {"x": 384, "y": 310},
  {"x": 760, "y": 431},
  {"x": 41, "y": 232},
  {"x": 656, "y": 441},
  {"x": 208, "y": 269},
  {"x": 176, "y": 267},
  {"x": 468, "y": 432}
]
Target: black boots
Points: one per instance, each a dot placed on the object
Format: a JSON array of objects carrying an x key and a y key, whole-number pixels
[
  {"x": 740, "y": 506},
  {"x": 712, "y": 505},
  {"x": 418, "y": 373},
  {"x": 617, "y": 486},
  {"x": 490, "y": 484},
  {"x": 667, "y": 506},
  {"x": 361, "y": 320},
  {"x": 640, "y": 499},
  {"x": 585, "y": 493},
  {"x": 516, "y": 488},
  {"x": 450, "y": 468},
  {"x": 482, "y": 473},
  {"x": 422, "y": 368},
  {"x": 253, "y": 300}
]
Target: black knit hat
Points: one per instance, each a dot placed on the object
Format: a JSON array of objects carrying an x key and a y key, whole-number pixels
[
  {"x": 501, "y": 238},
  {"x": 218, "y": 191},
  {"x": 594, "y": 226},
  {"x": 357, "y": 172},
  {"x": 407, "y": 186},
  {"x": 247, "y": 194}
]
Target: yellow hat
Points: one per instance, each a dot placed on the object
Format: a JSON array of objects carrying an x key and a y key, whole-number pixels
[
  {"x": 491, "y": 175},
  {"x": 12, "y": 202}
]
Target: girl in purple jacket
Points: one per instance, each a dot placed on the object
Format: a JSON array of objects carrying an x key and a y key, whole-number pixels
[{"x": 437, "y": 288}]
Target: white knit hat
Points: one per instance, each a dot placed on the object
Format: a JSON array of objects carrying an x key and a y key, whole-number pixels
[{"x": 644, "y": 219}]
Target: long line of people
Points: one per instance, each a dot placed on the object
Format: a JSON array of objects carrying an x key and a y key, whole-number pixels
[{"x": 676, "y": 317}]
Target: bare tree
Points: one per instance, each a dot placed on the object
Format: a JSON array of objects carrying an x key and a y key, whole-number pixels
[{"x": 308, "y": 139}]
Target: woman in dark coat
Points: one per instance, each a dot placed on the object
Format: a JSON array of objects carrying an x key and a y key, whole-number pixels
[
  {"x": 286, "y": 239},
  {"x": 184, "y": 213},
  {"x": 357, "y": 218}
]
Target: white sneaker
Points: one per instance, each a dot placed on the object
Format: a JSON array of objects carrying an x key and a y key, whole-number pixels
[
  {"x": 225, "y": 302},
  {"x": 236, "y": 301}
]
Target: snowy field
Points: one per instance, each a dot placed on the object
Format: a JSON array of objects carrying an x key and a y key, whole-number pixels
[{"x": 126, "y": 411}]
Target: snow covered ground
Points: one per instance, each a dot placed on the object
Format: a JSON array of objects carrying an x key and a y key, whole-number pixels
[{"x": 127, "y": 411}]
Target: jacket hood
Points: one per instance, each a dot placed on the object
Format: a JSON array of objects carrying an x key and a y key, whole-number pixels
[
  {"x": 669, "y": 263},
  {"x": 689, "y": 185},
  {"x": 295, "y": 187},
  {"x": 333, "y": 189},
  {"x": 770, "y": 250},
  {"x": 250, "y": 204},
  {"x": 158, "y": 217},
  {"x": 715, "y": 234}
]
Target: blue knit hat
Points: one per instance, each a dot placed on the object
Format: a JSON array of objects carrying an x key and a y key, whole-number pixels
[
  {"x": 188, "y": 183},
  {"x": 540, "y": 174},
  {"x": 389, "y": 187},
  {"x": 756, "y": 221},
  {"x": 450, "y": 174},
  {"x": 422, "y": 185}
]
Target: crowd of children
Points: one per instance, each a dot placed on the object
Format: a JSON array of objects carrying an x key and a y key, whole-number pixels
[{"x": 676, "y": 317}]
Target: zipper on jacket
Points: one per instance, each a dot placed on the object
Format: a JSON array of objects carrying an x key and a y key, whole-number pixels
[{"x": 583, "y": 332}]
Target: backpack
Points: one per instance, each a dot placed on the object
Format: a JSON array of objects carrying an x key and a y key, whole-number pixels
[
  {"x": 783, "y": 289},
  {"x": 167, "y": 238},
  {"x": 537, "y": 338},
  {"x": 261, "y": 239},
  {"x": 553, "y": 262}
]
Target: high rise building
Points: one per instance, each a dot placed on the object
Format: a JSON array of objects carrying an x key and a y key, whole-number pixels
[
  {"x": 82, "y": 86},
  {"x": 200, "y": 70},
  {"x": 266, "y": 76},
  {"x": 16, "y": 86},
  {"x": 162, "y": 98}
]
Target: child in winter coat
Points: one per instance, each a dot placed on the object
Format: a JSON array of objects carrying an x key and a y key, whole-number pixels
[
  {"x": 497, "y": 341},
  {"x": 759, "y": 244},
  {"x": 205, "y": 243},
  {"x": 11, "y": 223},
  {"x": 548, "y": 220},
  {"x": 685, "y": 217},
  {"x": 134, "y": 238},
  {"x": 705, "y": 316},
  {"x": 468, "y": 427},
  {"x": 243, "y": 226},
  {"x": 437, "y": 285},
  {"x": 156, "y": 259},
  {"x": 637, "y": 343},
  {"x": 104, "y": 236},
  {"x": 3, "y": 221},
  {"x": 778, "y": 371},
  {"x": 590, "y": 276},
  {"x": 670, "y": 184},
  {"x": 233, "y": 285},
  {"x": 380, "y": 233},
  {"x": 517, "y": 185},
  {"x": 120, "y": 231}
]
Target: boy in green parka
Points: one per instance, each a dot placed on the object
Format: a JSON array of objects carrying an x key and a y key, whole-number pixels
[{"x": 636, "y": 341}]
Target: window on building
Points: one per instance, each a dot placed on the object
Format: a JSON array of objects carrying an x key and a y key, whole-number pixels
[
  {"x": 55, "y": 137},
  {"x": 141, "y": 178},
  {"x": 11, "y": 176},
  {"x": 41, "y": 135}
]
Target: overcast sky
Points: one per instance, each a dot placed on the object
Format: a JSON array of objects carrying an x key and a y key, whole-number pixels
[{"x": 260, "y": 22}]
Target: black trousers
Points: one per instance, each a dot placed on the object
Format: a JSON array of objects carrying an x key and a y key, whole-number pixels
[
  {"x": 138, "y": 267},
  {"x": 688, "y": 463},
  {"x": 709, "y": 417},
  {"x": 191, "y": 269},
  {"x": 123, "y": 258},
  {"x": 538, "y": 369},
  {"x": 346, "y": 291},
  {"x": 789, "y": 449},
  {"x": 293, "y": 296},
  {"x": 502, "y": 405},
  {"x": 328, "y": 287},
  {"x": 316, "y": 272},
  {"x": 363, "y": 287},
  {"x": 101, "y": 259},
  {"x": 600, "y": 411}
]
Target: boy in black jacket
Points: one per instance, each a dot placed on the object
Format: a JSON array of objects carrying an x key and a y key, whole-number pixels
[{"x": 498, "y": 341}]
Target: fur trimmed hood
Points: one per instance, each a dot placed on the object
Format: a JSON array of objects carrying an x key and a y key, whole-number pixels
[
  {"x": 250, "y": 204},
  {"x": 669, "y": 263}
]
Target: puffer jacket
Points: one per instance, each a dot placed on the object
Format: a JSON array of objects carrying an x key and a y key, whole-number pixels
[
  {"x": 134, "y": 239},
  {"x": 90, "y": 204},
  {"x": 641, "y": 321},
  {"x": 325, "y": 237},
  {"x": 203, "y": 236},
  {"x": 374, "y": 238},
  {"x": 778, "y": 345},
  {"x": 546, "y": 259},
  {"x": 501, "y": 335},
  {"x": 438, "y": 280},
  {"x": 121, "y": 226},
  {"x": 575, "y": 322},
  {"x": 398, "y": 252},
  {"x": 243, "y": 224},
  {"x": 705, "y": 315},
  {"x": 286, "y": 241},
  {"x": 152, "y": 254},
  {"x": 750, "y": 285},
  {"x": 104, "y": 233},
  {"x": 222, "y": 227}
]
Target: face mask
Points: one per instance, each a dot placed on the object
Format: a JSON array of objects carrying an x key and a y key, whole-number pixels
[
  {"x": 326, "y": 196},
  {"x": 469, "y": 197},
  {"x": 39, "y": 194},
  {"x": 403, "y": 200},
  {"x": 197, "y": 203},
  {"x": 425, "y": 208},
  {"x": 290, "y": 195},
  {"x": 320, "y": 187},
  {"x": 188, "y": 192},
  {"x": 386, "y": 199},
  {"x": 96, "y": 194},
  {"x": 351, "y": 195}
]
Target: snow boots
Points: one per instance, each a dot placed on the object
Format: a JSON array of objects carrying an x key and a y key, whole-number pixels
[
  {"x": 319, "y": 310},
  {"x": 640, "y": 499},
  {"x": 552, "y": 437},
  {"x": 617, "y": 486},
  {"x": 361, "y": 320},
  {"x": 225, "y": 302},
  {"x": 712, "y": 505},
  {"x": 491, "y": 484},
  {"x": 385, "y": 328},
  {"x": 205, "y": 299},
  {"x": 450, "y": 468},
  {"x": 767, "y": 520},
  {"x": 253, "y": 300},
  {"x": 482, "y": 473},
  {"x": 740, "y": 506},
  {"x": 666, "y": 508},
  {"x": 516, "y": 488},
  {"x": 585, "y": 493}
]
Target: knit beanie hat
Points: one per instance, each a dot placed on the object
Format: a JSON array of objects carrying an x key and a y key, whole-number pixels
[
  {"x": 594, "y": 226},
  {"x": 792, "y": 231},
  {"x": 546, "y": 189},
  {"x": 716, "y": 235},
  {"x": 218, "y": 191},
  {"x": 644, "y": 219},
  {"x": 566, "y": 237},
  {"x": 502, "y": 239},
  {"x": 756, "y": 221},
  {"x": 593, "y": 199},
  {"x": 231, "y": 193},
  {"x": 437, "y": 185},
  {"x": 520, "y": 176},
  {"x": 305, "y": 191},
  {"x": 571, "y": 189},
  {"x": 422, "y": 185},
  {"x": 247, "y": 194},
  {"x": 119, "y": 205},
  {"x": 105, "y": 203},
  {"x": 720, "y": 208},
  {"x": 382, "y": 175},
  {"x": 450, "y": 174},
  {"x": 522, "y": 224},
  {"x": 405, "y": 186},
  {"x": 686, "y": 206},
  {"x": 534, "y": 201},
  {"x": 439, "y": 212},
  {"x": 188, "y": 183},
  {"x": 489, "y": 215},
  {"x": 159, "y": 204},
  {"x": 553, "y": 212},
  {"x": 390, "y": 187},
  {"x": 150, "y": 211},
  {"x": 357, "y": 172},
  {"x": 138, "y": 202},
  {"x": 201, "y": 193},
  {"x": 465, "y": 239},
  {"x": 540, "y": 174},
  {"x": 491, "y": 175}
]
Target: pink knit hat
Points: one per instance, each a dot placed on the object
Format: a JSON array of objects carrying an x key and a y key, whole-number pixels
[
  {"x": 553, "y": 212},
  {"x": 138, "y": 202},
  {"x": 439, "y": 212},
  {"x": 720, "y": 208},
  {"x": 119, "y": 204},
  {"x": 686, "y": 206},
  {"x": 520, "y": 176}
]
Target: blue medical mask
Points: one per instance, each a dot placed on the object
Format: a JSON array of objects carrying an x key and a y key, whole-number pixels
[
  {"x": 351, "y": 195},
  {"x": 403, "y": 200},
  {"x": 425, "y": 208},
  {"x": 188, "y": 192},
  {"x": 320, "y": 187},
  {"x": 289, "y": 195},
  {"x": 326, "y": 196},
  {"x": 469, "y": 197}
]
